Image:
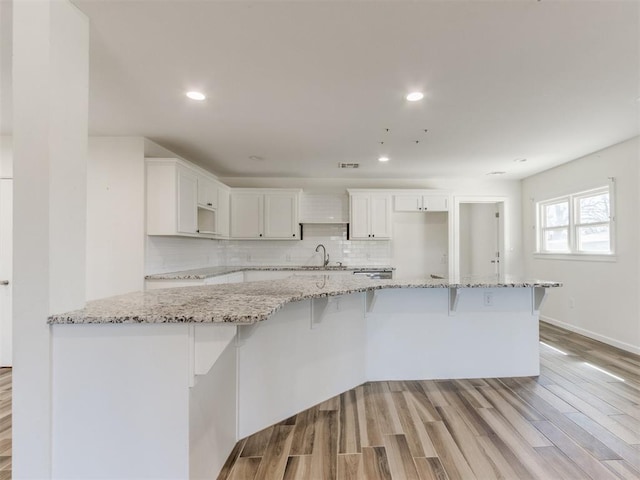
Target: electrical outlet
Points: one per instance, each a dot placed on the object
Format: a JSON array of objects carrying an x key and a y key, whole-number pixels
[
  {"x": 287, "y": 257},
  {"x": 248, "y": 257},
  {"x": 572, "y": 302},
  {"x": 488, "y": 299}
]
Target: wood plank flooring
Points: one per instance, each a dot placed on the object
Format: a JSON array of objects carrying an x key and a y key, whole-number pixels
[
  {"x": 574, "y": 421},
  {"x": 5, "y": 423}
]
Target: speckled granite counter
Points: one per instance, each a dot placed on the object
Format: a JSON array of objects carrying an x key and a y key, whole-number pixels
[
  {"x": 246, "y": 303},
  {"x": 208, "y": 272}
]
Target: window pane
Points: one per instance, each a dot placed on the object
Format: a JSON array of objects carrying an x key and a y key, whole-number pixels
[
  {"x": 556, "y": 215},
  {"x": 556, "y": 240},
  {"x": 594, "y": 209},
  {"x": 594, "y": 239}
]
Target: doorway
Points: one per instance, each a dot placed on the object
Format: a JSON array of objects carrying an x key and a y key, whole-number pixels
[
  {"x": 6, "y": 264},
  {"x": 480, "y": 246}
]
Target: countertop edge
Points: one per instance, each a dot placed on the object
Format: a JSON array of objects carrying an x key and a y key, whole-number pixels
[
  {"x": 193, "y": 275},
  {"x": 77, "y": 317}
]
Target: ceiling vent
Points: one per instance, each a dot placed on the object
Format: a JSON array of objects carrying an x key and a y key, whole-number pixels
[{"x": 348, "y": 165}]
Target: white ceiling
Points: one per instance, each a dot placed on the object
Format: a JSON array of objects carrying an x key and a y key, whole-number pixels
[{"x": 308, "y": 84}]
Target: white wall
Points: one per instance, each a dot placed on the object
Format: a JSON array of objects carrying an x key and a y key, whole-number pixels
[
  {"x": 604, "y": 294},
  {"x": 115, "y": 216},
  {"x": 51, "y": 85},
  {"x": 510, "y": 190},
  {"x": 464, "y": 231},
  {"x": 420, "y": 244},
  {"x": 6, "y": 249},
  {"x": 6, "y": 157}
]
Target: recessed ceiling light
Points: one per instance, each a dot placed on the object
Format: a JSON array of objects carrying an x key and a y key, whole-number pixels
[
  {"x": 415, "y": 96},
  {"x": 196, "y": 95},
  {"x": 383, "y": 159},
  {"x": 496, "y": 173},
  {"x": 520, "y": 160},
  {"x": 256, "y": 158}
]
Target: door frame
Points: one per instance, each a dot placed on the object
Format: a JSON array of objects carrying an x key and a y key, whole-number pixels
[
  {"x": 454, "y": 237},
  {"x": 6, "y": 271}
]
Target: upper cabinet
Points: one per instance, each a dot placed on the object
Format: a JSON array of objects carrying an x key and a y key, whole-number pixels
[
  {"x": 184, "y": 200},
  {"x": 271, "y": 213},
  {"x": 421, "y": 202},
  {"x": 370, "y": 215},
  {"x": 207, "y": 192}
]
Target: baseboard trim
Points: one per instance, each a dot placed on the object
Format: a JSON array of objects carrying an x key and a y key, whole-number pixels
[{"x": 588, "y": 333}]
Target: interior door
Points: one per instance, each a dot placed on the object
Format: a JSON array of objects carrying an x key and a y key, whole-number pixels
[
  {"x": 6, "y": 270},
  {"x": 480, "y": 232}
]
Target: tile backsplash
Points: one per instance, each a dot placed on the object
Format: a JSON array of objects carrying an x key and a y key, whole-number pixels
[
  {"x": 324, "y": 207},
  {"x": 302, "y": 252},
  {"x": 171, "y": 254},
  {"x": 168, "y": 254}
]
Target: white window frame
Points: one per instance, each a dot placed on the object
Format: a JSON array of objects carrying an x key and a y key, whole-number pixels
[{"x": 572, "y": 228}]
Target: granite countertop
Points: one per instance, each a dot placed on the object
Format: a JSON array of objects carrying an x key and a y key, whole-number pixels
[
  {"x": 251, "y": 302},
  {"x": 208, "y": 272}
]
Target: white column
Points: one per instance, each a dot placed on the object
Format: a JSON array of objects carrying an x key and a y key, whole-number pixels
[{"x": 50, "y": 102}]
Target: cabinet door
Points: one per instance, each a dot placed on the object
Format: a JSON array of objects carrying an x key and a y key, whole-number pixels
[
  {"x": 246, "y": 215},
  {"x": 408, "y": 203},
  {"x": 187, "y": 201},
  {"x": 435, "y": 203},
  {"x": 223, "y": 212},
  {"x": 360, "y": 216},
  {"x": 281, "y": 215},
  {"x": 207, "y": 192},
  {"x": 380, "y": 216}
]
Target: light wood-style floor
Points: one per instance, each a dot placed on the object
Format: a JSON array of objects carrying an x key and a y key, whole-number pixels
[
  {"x": 5, "y": 423},
  {"x": 573, "y": 422}
]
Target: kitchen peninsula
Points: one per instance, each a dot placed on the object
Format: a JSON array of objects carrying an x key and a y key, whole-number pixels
[{"x": 179, "y": 375}]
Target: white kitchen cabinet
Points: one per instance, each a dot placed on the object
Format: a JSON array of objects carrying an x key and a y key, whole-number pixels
[
  {"x": 265, "y": 214},
  {"x": 247, "y": 214},
  {"x": 207, "y": 192},
  {"x": 281, "y": 215},
  {"x": 224, "y": 195},
  {"x": 262, "y": 275},
  {"x": 182, "y": 199},
  {"x": 370, "y": 216},
  {"x": 417, "y": 202},
  {"x": 187, "y": 195}
]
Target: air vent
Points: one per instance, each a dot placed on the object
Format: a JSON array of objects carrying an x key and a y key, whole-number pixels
[{"x": 348, "y": 165}]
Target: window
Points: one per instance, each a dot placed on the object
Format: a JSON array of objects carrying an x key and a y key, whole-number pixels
[{"x": 580, "y": 223}]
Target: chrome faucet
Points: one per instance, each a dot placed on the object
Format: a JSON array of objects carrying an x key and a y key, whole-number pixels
[{"x": 325, "y": 255}]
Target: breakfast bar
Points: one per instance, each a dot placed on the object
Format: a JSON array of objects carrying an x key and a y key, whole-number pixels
[{"x": 180, "y": 374}]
